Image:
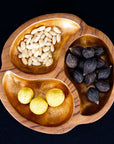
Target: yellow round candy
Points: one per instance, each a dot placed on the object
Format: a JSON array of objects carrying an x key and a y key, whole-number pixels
[
  {"x": 25, "y": 95},
  {"x": 55, "y": 97},
  {"x": 38, "y": 105}
]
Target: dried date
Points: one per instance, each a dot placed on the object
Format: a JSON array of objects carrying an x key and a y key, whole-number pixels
[
  {"x": 99, "y": 50},
  {"x": 71, "y": 60},
  {"x": 100, "y": 63},
  {"x": 90, "y": 79},
  {"x": 89, "y": 66},
  {"x": 88, "y": 52},
  {"x": 76, "y": 50},
  {"x": 93, "y": 95},
  {"x": 77, "y": 76},
  {"x": 102, "y": 85},
  {"x": 104, "y": 73}
]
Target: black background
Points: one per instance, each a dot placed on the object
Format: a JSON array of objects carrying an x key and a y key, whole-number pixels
[{"x": 99, "y": 14}]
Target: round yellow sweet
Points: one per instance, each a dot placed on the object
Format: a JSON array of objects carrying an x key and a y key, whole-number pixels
[
  {"x": 38, "y": 105},
  {"x": 55, "y": 97},
  {"x": 25, "y": 95}
]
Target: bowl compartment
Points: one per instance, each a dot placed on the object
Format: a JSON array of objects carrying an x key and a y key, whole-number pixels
[
  {"x": 87, "y": 107},
  {"x": 68, "y": 28},
  {"x": 54, "y": 116}
]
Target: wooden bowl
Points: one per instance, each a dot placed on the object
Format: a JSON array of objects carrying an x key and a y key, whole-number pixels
[
  {"x": 87, "y": 107},
  {"x": 68, "y": 28},
  {"x": 55, "y": 115},
  {"x": 75, "y": 109}
]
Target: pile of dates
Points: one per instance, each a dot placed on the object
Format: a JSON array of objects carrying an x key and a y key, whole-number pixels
[{"x": 88, "y": 67}]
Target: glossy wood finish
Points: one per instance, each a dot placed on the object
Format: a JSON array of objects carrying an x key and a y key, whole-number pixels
[
  {"x": 58, "y": 73},
  {"x": 54, "y": 116},
  {"x": 68, "y": 28}
]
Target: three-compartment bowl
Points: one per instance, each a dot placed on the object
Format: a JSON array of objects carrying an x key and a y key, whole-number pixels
[{"x": 14, "y": 75}]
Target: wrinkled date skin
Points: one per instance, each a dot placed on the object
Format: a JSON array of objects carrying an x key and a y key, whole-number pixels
[
  {"x": 100, "y": 63},
  {"x": 76, "y": 50},
  {"x": 88, "y": 52},
  {"x": 104, "y": 73},
  {"x": 77, "y": 76},
  {"x": 98, "y": 50},
  {"x": 102, "y": 85},
  {"x": 89, "y": 66},
  {"x": 93, "y": 95},
  {"x": 90, "y": 78},
  {"x": 71, "y": 60}
]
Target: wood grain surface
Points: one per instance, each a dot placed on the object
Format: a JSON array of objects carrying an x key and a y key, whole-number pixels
[{"x": 91, "y": 34}]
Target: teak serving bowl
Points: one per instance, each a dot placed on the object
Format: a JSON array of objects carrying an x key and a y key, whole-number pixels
[{"x": 75, "y": 110}]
